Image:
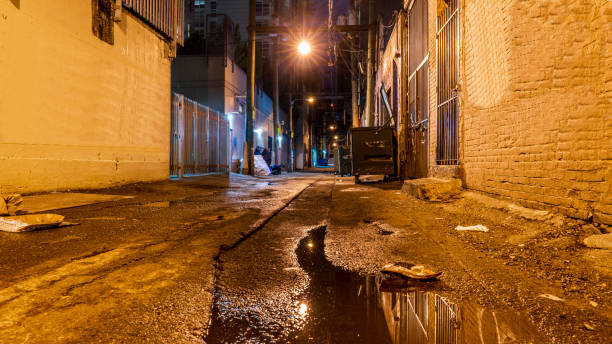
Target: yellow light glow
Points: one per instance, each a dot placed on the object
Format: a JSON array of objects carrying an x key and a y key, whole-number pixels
[
  {"x": 310, "y": 100},
  {"x": 336, "y": 137},
  {"x": 309, "y": 244},
  {"x": 304, "y": 48},
  {"x": 332, "y": 127},
  {"x": 303, "y": 309}
]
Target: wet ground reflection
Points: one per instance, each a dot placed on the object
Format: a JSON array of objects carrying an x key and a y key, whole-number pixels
[{"x": 343, "y": 307}]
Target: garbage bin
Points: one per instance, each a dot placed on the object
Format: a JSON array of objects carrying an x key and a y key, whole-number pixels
[{"x": 373, "y": 150}]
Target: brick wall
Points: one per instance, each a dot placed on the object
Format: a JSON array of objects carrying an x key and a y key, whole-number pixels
[{"x": 535, "y": 103}]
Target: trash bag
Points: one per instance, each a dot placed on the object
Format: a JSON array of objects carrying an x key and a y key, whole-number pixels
[{"x": 261, "y": 167}]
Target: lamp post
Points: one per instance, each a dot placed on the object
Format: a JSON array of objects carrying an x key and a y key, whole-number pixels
[{"x": 291, "y": 138}]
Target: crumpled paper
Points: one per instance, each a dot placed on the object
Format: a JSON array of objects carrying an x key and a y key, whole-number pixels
[{"x": 11, "y": 205}]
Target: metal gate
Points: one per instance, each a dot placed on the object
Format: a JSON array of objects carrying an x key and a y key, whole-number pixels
[
  {"x": 447, "y": 152},
  {"x": 447, "y": 321},
  {"x": 199, "y": 141},
  {"x": 418, "y": 90}
]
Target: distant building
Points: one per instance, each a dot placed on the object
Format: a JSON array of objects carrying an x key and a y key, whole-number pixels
[{"x": 85, "y": 92}]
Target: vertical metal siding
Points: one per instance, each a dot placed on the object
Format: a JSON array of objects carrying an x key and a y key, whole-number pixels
[
  {"x": 167, "y": 16},
  {"x": 199, "y": 141}
]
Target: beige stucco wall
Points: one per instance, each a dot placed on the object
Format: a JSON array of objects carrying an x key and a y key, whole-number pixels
[
  {"x": 535, "y": 102},
  {"x": 76, "y": 112}
]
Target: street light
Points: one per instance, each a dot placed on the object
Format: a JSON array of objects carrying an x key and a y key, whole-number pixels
[
  {"x": 310, "y": 99},
  {"x": 304, "y": 48}
]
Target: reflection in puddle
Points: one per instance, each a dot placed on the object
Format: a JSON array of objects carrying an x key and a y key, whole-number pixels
[{"x": 343, "y": 307}]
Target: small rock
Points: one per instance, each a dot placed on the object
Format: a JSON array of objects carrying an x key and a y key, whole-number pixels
[
  {"x": 521, "y": 245},
  {"x": 589, "y": 327},
  {"x": 590, "y": 230},
  {"x": 512, "y": 256},
  {"x": 593, "y": 303}
]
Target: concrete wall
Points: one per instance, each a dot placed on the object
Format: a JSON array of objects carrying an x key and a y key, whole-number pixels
[
  {"x": 76, "y": 112},
  {"x": 535, "y": 102}
]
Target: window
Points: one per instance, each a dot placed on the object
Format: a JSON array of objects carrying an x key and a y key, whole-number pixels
[
  {"x": 200, "y": 3},
  {"x": 262, "y": 8},
  {"x": 213, "y": 7}
]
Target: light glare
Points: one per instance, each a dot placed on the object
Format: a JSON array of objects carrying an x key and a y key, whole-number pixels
[{"x": 304, "y": 48}]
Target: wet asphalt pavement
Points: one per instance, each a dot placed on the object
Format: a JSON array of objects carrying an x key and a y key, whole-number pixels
[
  {"x": 296, "y": 259},
  {"x": 135, "y": 270},
  {"x": 279, "y": 287}
]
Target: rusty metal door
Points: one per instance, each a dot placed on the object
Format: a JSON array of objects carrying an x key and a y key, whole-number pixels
[{"x": 418, "y": 91}]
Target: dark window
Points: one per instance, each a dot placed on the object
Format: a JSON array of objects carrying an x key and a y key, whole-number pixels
[{"x": 103, "y": 20}]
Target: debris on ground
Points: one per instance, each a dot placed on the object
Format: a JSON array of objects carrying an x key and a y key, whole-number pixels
[
  {"x": 24, "y": 223},
  {"x": 476, "y": 228},
  {"x": 589, "y": 327},
  {"x": 418, "y": 272},
  {"x": 11, "y": 205},
  {"x": 355, "y": 189},
  {"x": 551, "y": 297},
  {"x": 603, "y": 241}
]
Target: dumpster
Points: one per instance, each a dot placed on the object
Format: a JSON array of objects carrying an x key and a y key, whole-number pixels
[{"x": 374, "y": 151}]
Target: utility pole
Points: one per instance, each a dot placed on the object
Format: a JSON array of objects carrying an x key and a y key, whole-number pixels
[
  {"x": 250, "y": 117},
  {"x": 275, "y": 86},
  {"x": 369, "y": 110},
  {"x": 291, "y": 142},
  {"x": 355, "y": 75}
]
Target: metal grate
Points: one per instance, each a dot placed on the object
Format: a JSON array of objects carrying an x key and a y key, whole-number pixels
[
  {"x": 199, "y": 140},
  {"x": 447, "y": 152},
  {"x": 167, "y": 16}
]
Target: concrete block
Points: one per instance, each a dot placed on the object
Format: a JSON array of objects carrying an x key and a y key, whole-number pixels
[
  {"x": 433, "y": 189},
  {"x": 599, "y": 241}
]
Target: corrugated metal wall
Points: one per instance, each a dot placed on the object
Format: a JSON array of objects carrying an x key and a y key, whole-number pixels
[{"x": 167, "y": 16}]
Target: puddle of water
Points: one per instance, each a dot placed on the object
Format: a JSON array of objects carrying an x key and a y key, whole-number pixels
[{"x": 343, "y": 307}]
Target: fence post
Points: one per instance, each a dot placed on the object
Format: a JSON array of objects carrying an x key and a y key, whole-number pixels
[
  {"x": 218, "y": 142},
  {"x": 181, "y": 131},
  {"x": 195, "y": 137}
]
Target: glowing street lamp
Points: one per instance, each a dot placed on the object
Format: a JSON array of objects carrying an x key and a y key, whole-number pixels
[
  {"x": 304, "y": 48},
  {"x": 310, "y": 100}
]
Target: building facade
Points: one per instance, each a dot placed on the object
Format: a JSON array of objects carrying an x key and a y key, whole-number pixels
[
  {"x": 85, "y": 93},
  {"x": 512, "y": 97}
]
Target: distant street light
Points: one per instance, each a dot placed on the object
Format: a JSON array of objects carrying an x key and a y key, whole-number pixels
[
  {"x": 304, "y": 48},
  {"x": 310, "y": 100},
  {"x": 332, "y": 127}
]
